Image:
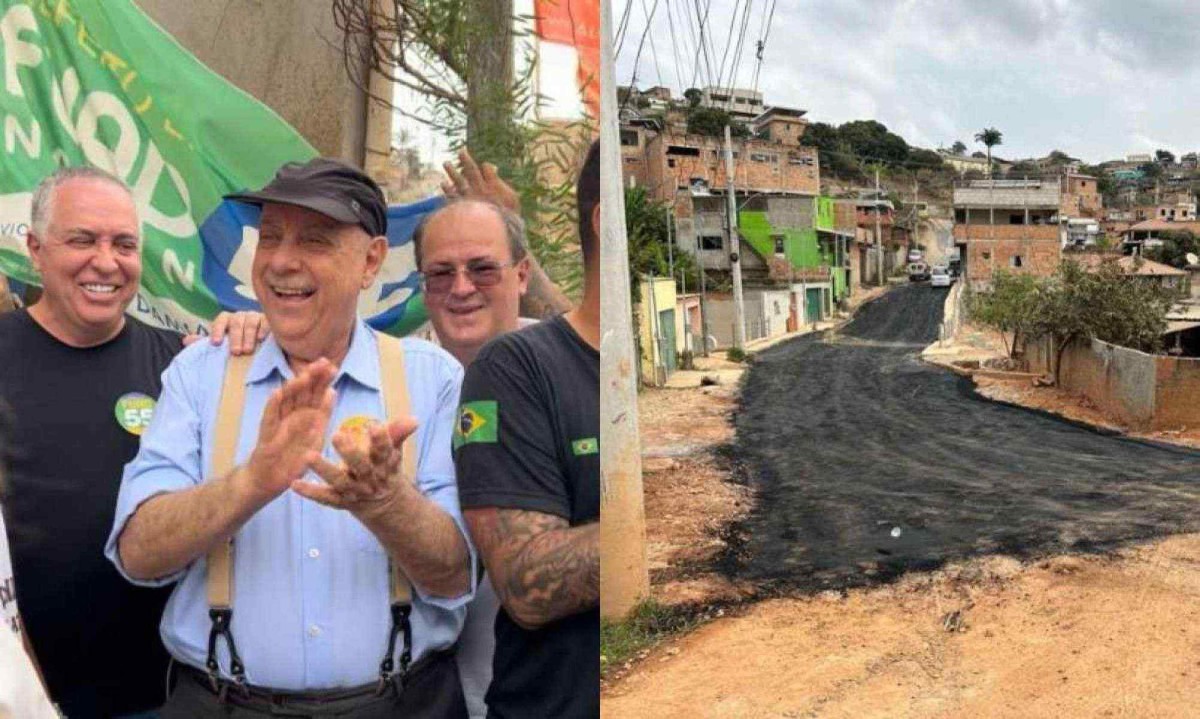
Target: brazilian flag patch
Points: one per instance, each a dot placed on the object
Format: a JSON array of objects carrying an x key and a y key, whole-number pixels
[
  {"x": 587, "y": 445},
  {"x": 477, "y": 422}
]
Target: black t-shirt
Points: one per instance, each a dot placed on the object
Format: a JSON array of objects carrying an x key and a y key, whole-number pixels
[
  {"x": 95, "y": 634},
  {"x": 528, "y": 438}
]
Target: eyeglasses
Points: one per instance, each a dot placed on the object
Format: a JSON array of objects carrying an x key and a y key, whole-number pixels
[{"x": 481, "y": 273}]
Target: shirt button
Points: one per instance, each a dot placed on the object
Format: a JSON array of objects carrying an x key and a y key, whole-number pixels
[
  {"x": 314, "y": 631},
  {"x": 314, "y": 553}
]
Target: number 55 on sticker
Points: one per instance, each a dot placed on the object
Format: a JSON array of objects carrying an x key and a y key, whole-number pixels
[{"x": 134, "y": 411}]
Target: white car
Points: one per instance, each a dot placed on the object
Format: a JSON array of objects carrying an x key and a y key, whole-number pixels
[
  {"x": 940, "y": 277},
  {"x": 914, "y": 255}
]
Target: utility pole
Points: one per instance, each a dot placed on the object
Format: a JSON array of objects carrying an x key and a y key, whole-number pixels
[
  {"x": 735, "y": 249},
  {"x": 878, "y": 232},
  {"x": 703, "y": 295},
  {"x": 624, "y": 577}
]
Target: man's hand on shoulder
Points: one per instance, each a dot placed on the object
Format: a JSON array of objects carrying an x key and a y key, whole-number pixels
[
  {"x": 542, "y": 568},
  {"x": 244, "y": 330}
]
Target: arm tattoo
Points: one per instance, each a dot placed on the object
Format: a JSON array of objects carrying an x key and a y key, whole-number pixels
[{"x": 542, "y": 568}]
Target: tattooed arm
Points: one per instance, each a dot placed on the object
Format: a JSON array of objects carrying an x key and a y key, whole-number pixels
[{"x": 542, "y": 569}]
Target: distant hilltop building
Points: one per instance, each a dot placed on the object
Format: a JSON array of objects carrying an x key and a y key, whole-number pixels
[{"x": 742, "y": 104}]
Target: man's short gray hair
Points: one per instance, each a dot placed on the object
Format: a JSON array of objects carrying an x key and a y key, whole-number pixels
[
  {"x": 43, "y": 196},
  {"x": 514, "y": 227}
]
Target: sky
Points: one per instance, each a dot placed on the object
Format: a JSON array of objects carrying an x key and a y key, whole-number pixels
[{"x": 1098, "y": 80}]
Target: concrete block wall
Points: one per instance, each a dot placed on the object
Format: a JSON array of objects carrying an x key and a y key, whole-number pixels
[{"x": 1137, "y": 389}]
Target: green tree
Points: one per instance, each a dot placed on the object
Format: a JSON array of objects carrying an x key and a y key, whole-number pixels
[
  {"x": 1009, "y": 307},
  {"x": 958, "y": 148},
  {"x": 693, "y": 96},
  {"x": 990, "y": 137},
  {"x": 919, "y": 158},
  {"x": 837, "y": 159},
  {"x": 1023, "y": 168},
  {"x": 711, "y": 121},
  {"x": 872, "y": 140},
  {"x": 647, "y": 233},
  {"x": 1165, "y": 157},
  {"x": 1151, "y": 171},
  {"x": 1103, "y": 303},
  {"x": 1175, "y": 248}
]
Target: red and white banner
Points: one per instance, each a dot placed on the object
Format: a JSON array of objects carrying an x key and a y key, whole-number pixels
[{"x": 569, "y": 56}]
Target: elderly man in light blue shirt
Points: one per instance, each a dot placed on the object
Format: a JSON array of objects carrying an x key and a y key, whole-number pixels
[{"x": 315, "y": 516}]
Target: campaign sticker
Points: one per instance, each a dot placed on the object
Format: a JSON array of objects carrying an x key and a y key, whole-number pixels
[
  {"x": 134, "y": 411},
  {"x": 357, "y": 425}
]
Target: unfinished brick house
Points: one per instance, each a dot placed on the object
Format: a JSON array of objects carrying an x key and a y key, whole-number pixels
[{"x": 1020, "y": 225}]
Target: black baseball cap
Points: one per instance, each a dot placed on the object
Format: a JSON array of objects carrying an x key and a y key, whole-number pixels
[{"x": 328, "y": 186}]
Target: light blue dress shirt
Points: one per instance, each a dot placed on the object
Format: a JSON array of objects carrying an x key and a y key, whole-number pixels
[{"x": 310, "y": 585}]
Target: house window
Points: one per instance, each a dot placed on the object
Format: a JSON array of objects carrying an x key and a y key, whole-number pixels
[
  {"x": 711, "y": 242},
  {"x": 1016, "y": 218},
  {"x": 1015, "y": 261},
  {"x": 670, "y": 162},
  {"x": 778, "y": 243},
  {"x": 629, "y": 138},
  {"x": 960, "y": 216},
  {"x": 987, "y": 255}
]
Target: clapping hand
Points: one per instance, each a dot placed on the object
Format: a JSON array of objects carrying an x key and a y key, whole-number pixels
[
  {"x": 293, "y": 425},
  {"x": 370, "y": 476}
]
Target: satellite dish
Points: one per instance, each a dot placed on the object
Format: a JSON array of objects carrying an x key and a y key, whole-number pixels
[{"x": 1192, "y": 259}]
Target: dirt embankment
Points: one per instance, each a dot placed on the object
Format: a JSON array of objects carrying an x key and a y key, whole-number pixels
[{"x": 1100, "y": 636}]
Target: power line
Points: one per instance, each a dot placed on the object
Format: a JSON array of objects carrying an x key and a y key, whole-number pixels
[
  {"x": 638, "y": 57},
  {"x": 728, "y": 43},
  {"x": 674, "y": 47},
  {"x": 705, "y": 46},
  {"x": 653, "y": 50},
  {"x": 762, "y": 43},
  {"x": 622, "y": 27},
  {"x": 737, "y": 53}
]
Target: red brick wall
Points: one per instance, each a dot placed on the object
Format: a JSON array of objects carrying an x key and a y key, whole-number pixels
[{"x": 1177, "y": 388}]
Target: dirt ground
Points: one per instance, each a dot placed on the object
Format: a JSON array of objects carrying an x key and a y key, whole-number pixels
[
  {"x": 690, "y": 495},
  {"x": 1110, "y": 636}
]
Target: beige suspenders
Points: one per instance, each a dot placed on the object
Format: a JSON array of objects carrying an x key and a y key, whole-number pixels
[{"x": 220, "y": 560}]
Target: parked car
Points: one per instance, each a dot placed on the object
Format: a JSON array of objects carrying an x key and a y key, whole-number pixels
[
  {"x": 940, "y": 277},
  {"x": 918, "y": 271}
]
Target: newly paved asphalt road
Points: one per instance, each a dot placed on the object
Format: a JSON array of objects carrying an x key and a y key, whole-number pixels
[{"x": 869, "y": 462}]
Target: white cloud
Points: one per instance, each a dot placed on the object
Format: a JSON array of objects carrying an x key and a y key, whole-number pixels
[{"x": 1095, "y": 79}]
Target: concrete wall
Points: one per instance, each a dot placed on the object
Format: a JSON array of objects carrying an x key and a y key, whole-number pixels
[
  {"x": 687, "y": 323},
  {"x": 770, "y": 315},
  {"x": 720, "y": 319},
  {"x": 1137, "y": 389},
  {"x": 276, "y": 50},
  {"x": 655, "y": 295},
  {"x": 790, "y": 212}
]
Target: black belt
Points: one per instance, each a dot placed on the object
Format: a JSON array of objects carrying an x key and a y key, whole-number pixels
[{"x": 249, "y": 696}]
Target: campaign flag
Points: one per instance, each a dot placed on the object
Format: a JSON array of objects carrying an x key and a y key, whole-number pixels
[
  {"x": 569, "y": 56},
  {"x": 99, "y": 83}
]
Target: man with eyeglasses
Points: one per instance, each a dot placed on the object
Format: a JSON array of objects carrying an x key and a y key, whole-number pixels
[
  {"x": 474, "y": 269},
  {"x": 528, "y": 464}
]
